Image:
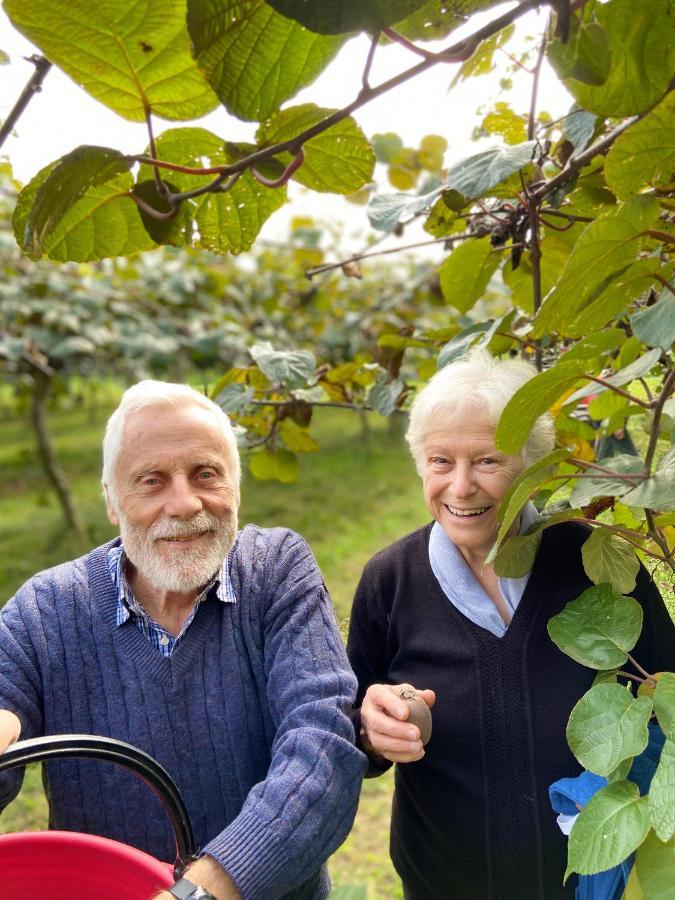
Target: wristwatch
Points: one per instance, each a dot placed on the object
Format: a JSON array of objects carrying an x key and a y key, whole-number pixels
[{"x": 184, "y": 889}]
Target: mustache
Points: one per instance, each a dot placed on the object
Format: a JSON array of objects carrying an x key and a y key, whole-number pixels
[{"x": 167, "y": 529}]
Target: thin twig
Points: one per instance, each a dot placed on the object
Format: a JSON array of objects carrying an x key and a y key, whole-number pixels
[
  {"x": 637, "y": 665},
  {"x": 535, "y": 84},
  {"x": 617, "y": 390},
  {"x": 162, "y": 189},
  {"x": 33, "y": 86},
  {"x": 365, "y": 84}
]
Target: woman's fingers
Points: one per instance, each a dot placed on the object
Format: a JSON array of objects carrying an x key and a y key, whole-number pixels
[{"x": 384, "y": 726}]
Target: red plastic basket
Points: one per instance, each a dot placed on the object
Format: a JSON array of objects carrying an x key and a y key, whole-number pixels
[{"x": 64, "y": 865}]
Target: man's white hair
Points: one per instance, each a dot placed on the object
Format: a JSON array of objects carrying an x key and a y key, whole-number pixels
[
  {"x": 478, "y": 383},
  {"x": 164, "y": 394}
]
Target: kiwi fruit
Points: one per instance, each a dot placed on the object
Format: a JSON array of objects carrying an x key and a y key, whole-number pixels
[{"x": 419, "y": 714}]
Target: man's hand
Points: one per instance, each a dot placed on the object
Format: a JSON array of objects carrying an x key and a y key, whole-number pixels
[
  {"x": 208, "y": 874},
  {"x": 10, "y": 729},
  {"x": 384, "y": 729}
]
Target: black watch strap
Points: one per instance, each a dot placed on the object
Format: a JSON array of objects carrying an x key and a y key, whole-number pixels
[{"x": 184, "y": 889}]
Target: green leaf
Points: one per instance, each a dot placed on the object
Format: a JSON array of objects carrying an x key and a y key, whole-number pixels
[
  {"x": 176, "y": 231},
  {"x": 480, "y": 62},
  {"x": 622, "y": 288},
  {"x": 533, "y": 399},
  {"x": 437, "y": 18},
  {"x": 608, "y": 558},
  {"x": 657, "y": 492},
  {"x": 655, "y": 326},
  {"x": 585, "y": 56},
  {"x": 234, "y": 398},
  {"x": 339, "y": 160},
  {"x": 66, "y": 183},
  {"x": 578, "y": 128},
  {"x": 386, "y": 146},
  {"x": 645, "y": 153},
  {"x": 517, "y": 553},
  {"x": 504, "y": 121},
  {"x": 383, "y": 396},
  {"x": 606, "y": 726},
  {"x": 291, "y": 368},
  {"x": 253, "y": 57},
  {"x": 606, "y": 247},
  {"x": 282, "y": 465},
  {"x": 605, "y": 676},
  {"x": 587, "y": 489},
  {"x": 4, "y": 58},
  {"x": 596, "y": 344},
  {"x": 132, "y": 59},
  {"x": 477, "y": 174},
  {"x": 75, "y": 345},
  {"x": 520, "y": 492},
  {"x": 598, "y": 628},
  {"x": 641, "y": 59},
  {"x": 386, "y": 210},
  {"x": 555, "y": 251},
  {"x": 225, "y": 222},
  {"x": 296, "y": 438},
  {"x": 460, "y": 343},
  {"x": 662, "y": 794},
  {"x": 609, "y": 828},
  {"x": 465, "y": 273},
  {"x": 664, "y": 703},
  {"x": 103, "y": 222},
  {"x": 633, "y": 370},
  {"x": 655, "y": 866},
  {"x": 343, "y": 16}
]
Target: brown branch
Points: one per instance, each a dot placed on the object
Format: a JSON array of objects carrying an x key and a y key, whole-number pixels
[
  {"x": 661, "y": 236},
  {"x": 535, "y": 85},
  {"x": 328, "y": 267},
  {"x": 460, "y": 55},
  {"x": 668, "y": 386},
  {"x": 285, "y": 176},
  {"x": 664, "y": 282},
  {"x": 365, "y": 84},
  {"x": 33, "y": 86},
  {"x": 617, "y": 390},
  {"x": 162, "y": 189}
]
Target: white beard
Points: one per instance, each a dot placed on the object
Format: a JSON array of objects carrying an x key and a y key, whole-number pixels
[{"x": 178, "y": 570}]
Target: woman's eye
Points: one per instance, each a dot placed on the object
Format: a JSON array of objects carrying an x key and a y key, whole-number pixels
[{"x": 488, "y": 461}]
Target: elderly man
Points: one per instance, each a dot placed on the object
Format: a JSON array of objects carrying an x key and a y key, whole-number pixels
[{"x": 214, "y": 651}]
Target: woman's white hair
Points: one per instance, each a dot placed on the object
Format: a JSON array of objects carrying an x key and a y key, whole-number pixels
[
  {"x": 480, "y": 383},
  {"x": 160, "y": 393}
]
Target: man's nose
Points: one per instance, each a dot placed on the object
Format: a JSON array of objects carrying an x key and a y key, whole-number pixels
[{"x": 182, "y": 500}]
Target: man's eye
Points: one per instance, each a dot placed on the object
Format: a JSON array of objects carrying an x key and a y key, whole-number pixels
[{"x": 206, "y": 475}]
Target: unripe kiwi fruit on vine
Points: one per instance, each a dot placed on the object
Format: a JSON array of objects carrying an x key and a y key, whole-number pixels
[{"x": 419, "y": 713}]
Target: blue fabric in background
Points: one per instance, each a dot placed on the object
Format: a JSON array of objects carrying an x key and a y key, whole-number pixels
[{"x": 565, "y": 793}]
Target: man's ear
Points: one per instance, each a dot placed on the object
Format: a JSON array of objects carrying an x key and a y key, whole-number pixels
[{"x": 113, "y": 518}]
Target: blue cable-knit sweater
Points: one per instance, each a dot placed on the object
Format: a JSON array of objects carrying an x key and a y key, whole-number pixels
[{"x": 248, "y": 715}]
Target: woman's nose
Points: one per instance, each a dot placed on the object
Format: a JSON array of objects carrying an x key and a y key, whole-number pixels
[{"x": 462, "y": 482}]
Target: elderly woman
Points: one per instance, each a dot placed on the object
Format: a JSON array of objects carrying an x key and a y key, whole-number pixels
[{"x": 471, "y": 817}]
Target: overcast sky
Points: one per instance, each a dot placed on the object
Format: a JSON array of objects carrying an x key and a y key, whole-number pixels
[{"x": 63, "y": 116}]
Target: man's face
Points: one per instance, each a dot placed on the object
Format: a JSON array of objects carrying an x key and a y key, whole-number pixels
[{"x": 176, "y": 501}]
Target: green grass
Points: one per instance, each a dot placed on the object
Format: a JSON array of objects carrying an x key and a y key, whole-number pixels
[{"x": 352, "y": 499}]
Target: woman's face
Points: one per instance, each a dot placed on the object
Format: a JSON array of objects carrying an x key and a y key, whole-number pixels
[{"x": 465, "y": 479}]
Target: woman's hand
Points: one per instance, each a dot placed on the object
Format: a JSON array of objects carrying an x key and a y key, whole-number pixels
[
  {"x": 384, "y": 729},
  {"x": 10, "y": 729}
]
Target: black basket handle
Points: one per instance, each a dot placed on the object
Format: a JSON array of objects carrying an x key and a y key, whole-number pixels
[{"x": 87, "y": 746}]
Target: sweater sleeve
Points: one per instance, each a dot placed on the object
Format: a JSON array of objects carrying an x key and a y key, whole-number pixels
[
  {"x": 366, "y": 646},
  {"x": 293, "y": 820},
  {"x": 20, "y": 684}
]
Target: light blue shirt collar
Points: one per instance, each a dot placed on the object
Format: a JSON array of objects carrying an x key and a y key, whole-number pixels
[{"x": 461, "y": 586}]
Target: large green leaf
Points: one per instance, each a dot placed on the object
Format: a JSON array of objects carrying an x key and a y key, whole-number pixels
[
  {"x": 480, "y": 63},
  {"x": 655, "y": 326},
  {"x": 253, "y": 57},
  {"x": 662, "y": 794},
  {"x": 131, "y": 55},
  {"x": 533, "y": 399},
  {"x": 67, "y": 182},
  {"x": 664, "y": 703},
  {"x": 520, "y": 492},
  {"x": 645, "y": 153},
  {"x": 338, "y": 161},
  {"x": 595, "y": 344},
  {"x": 460, "y": 343},
  {"x": 101, "y": 222},
  {"x": 657, "y": 492},
  {"x": 598, "y": 628},
  {"x": 555, "y": 251},
  {"x": 639, "y": 37},
  {"x": 383, "y": 396},
  {"x": 609, "y": 828},
  {"x": 465, "y": 273},
  {"x": 343, "y": 16},
  {"x": 622, "y": 289},
  {"x": 280, "y": 465},
  {"x": 225, "y": 222},
  {"x": 587, "y": 489},
  {"x": 655, "y": 867},
  {"x": 291, "y": 368},
  {"x": 607, "y": 726},
  {"x": 609, "y": 559},
  {"x": 635, "y": 369},
  {"x": 385, "y": 211},
  {"x": 606, "y": 247},
  {"x": 585, "y": 56},
  {"x": 516, "y": 555},
  {"x": 476, "y": 175},
  {"x": 437, "y": 18}
]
